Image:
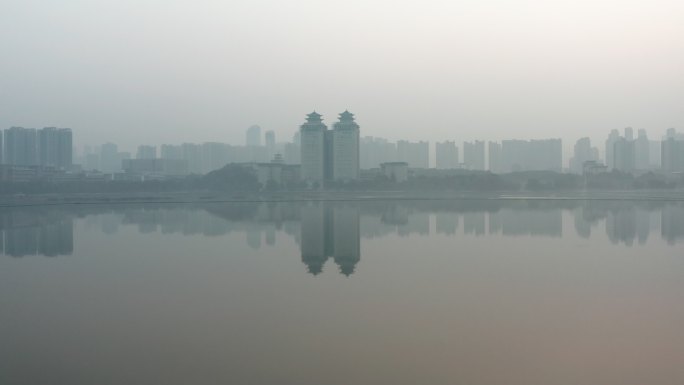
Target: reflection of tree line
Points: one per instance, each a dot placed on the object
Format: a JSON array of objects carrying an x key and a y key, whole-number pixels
[{"x": 332, "y": 230}]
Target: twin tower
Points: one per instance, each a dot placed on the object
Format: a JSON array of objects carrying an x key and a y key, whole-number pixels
[{"x": 329, "y": 155}]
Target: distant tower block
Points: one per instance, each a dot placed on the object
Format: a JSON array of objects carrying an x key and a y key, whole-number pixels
[
  {"x": 312, "y": 137},
  {"x": 345, "y": 148}
]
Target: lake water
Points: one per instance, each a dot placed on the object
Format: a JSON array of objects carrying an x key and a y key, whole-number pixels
[{"x": 384, "y": 292}]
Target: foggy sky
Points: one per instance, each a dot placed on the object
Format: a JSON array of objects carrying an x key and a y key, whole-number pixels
[{"x": 163, "y": 71}]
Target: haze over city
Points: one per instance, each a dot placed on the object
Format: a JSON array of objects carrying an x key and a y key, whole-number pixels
[{"x": 180, "y": 71}]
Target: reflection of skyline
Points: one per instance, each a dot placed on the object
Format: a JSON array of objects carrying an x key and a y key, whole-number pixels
[{"x": 333, "y": 230}]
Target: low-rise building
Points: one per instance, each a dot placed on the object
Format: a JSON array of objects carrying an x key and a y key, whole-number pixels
[{"x": 396, "y": 171}]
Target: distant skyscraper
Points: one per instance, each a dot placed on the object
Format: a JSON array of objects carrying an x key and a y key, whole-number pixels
[
  {"x": 55, "y": 147},
  {"x": 416, "y": 154},
  {"x": 312, "y": 137},
  {"x": 109, "y": 158},
  {"x": 270, "y": 139},
  {"x": 254, "y": 136},
  {"x": 494, "y": 154},
  {"x": 624, "y": 155},
  {"x": 21, "y": 146},
  {"x": 532, "y": 155},
  {"x": 583, "y": 152},
  {"x": 642, "y": 150},
  {"x": 169, "y": 151},
  {"x": 375, "y": 151},
  {"x": 629, "y": 133},
  {"x": 446, "y": 155},
  {"x": 474, "y": 155},
  {"x": 146, "y": 152},
  {"x": 193, "y": 154},
  {"x": 345, "y": 148},
  {"x": 620, "y": 151},
  {"x": 610, "y": 143},
  {"x": 672, "y": 152}
]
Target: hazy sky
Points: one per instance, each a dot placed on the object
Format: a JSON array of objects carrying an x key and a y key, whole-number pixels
[{"x": 164, "y": 71}]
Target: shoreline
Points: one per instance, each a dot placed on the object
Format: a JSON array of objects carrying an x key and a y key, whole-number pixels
[{"x": 350, "y": 196}]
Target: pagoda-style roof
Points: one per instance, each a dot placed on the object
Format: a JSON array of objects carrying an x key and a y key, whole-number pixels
[
  {"x": 314, "y": 117},
  {"x": 346, "y": 116}
]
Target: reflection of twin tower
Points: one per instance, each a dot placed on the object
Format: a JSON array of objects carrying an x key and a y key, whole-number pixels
[{"x": 330, "y": 231}]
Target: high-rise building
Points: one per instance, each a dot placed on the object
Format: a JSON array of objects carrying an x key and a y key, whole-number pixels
[
  {"x": 532, "y": 155},
  {"x": 446, "y": 155},
  {"x": 494, "y": 155},
  {"x": 583, "y": 152},
  {"x": 416, "y": 154},
  {"x": 610, "y": 143},
  {"x": 193, "y": 154},
  {"x": 642, "y": 151},
  {"x": 170, "y": 151},
  {"x": 312, "y": 137},
  {"x": 270, "y": 139},
  {"x": 624, "y": 154},
  {"x": 345, "y": 148},
  {"x": 376, "y": 151},
  {"x": 620, "y": 151},
  {"x": 109, "y": 158},
  {"x": 214, "y": 156},
  {"x": 672, "y": 152},
  {"x": 253, "y": 136},
  {"x": 146, "y": 152},
  {"x": 55, "y": 148},
  {"x": 21, "y": 146},
  {"x": 474, "y": 155},
  {"x": 2, "y": 150},
  {"x": 629, "y": 133}
]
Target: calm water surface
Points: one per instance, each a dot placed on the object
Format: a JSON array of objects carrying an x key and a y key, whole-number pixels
[{"x": 413, "y": 292}]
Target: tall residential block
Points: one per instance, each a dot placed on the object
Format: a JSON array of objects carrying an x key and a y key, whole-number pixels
[
  {"x": 55, "y": 147},
  {"x": 312, "y": 138},
  {"x": 474, "y": 155},
  {"x": 446, "y": 155},
  {"x": 21, "y": 146},
  {"x": 345, "y": 148},
  {"x": 253, "y": 136}
]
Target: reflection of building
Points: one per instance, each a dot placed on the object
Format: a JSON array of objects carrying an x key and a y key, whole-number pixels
[
  {"x": 621, "y": 225},
  {"x": 446, "y": 222},
  {"x": 527, "y": 222},
  {"x": 474, "y": 222},
  {"x": 330, "y": 232},
  {"x": 38, "y": 233},
  {"x": 346, "y": 238},
  {"x": 672, "y": 224}
]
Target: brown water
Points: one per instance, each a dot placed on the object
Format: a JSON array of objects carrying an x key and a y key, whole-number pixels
[{"x": 413, "y": 292}]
